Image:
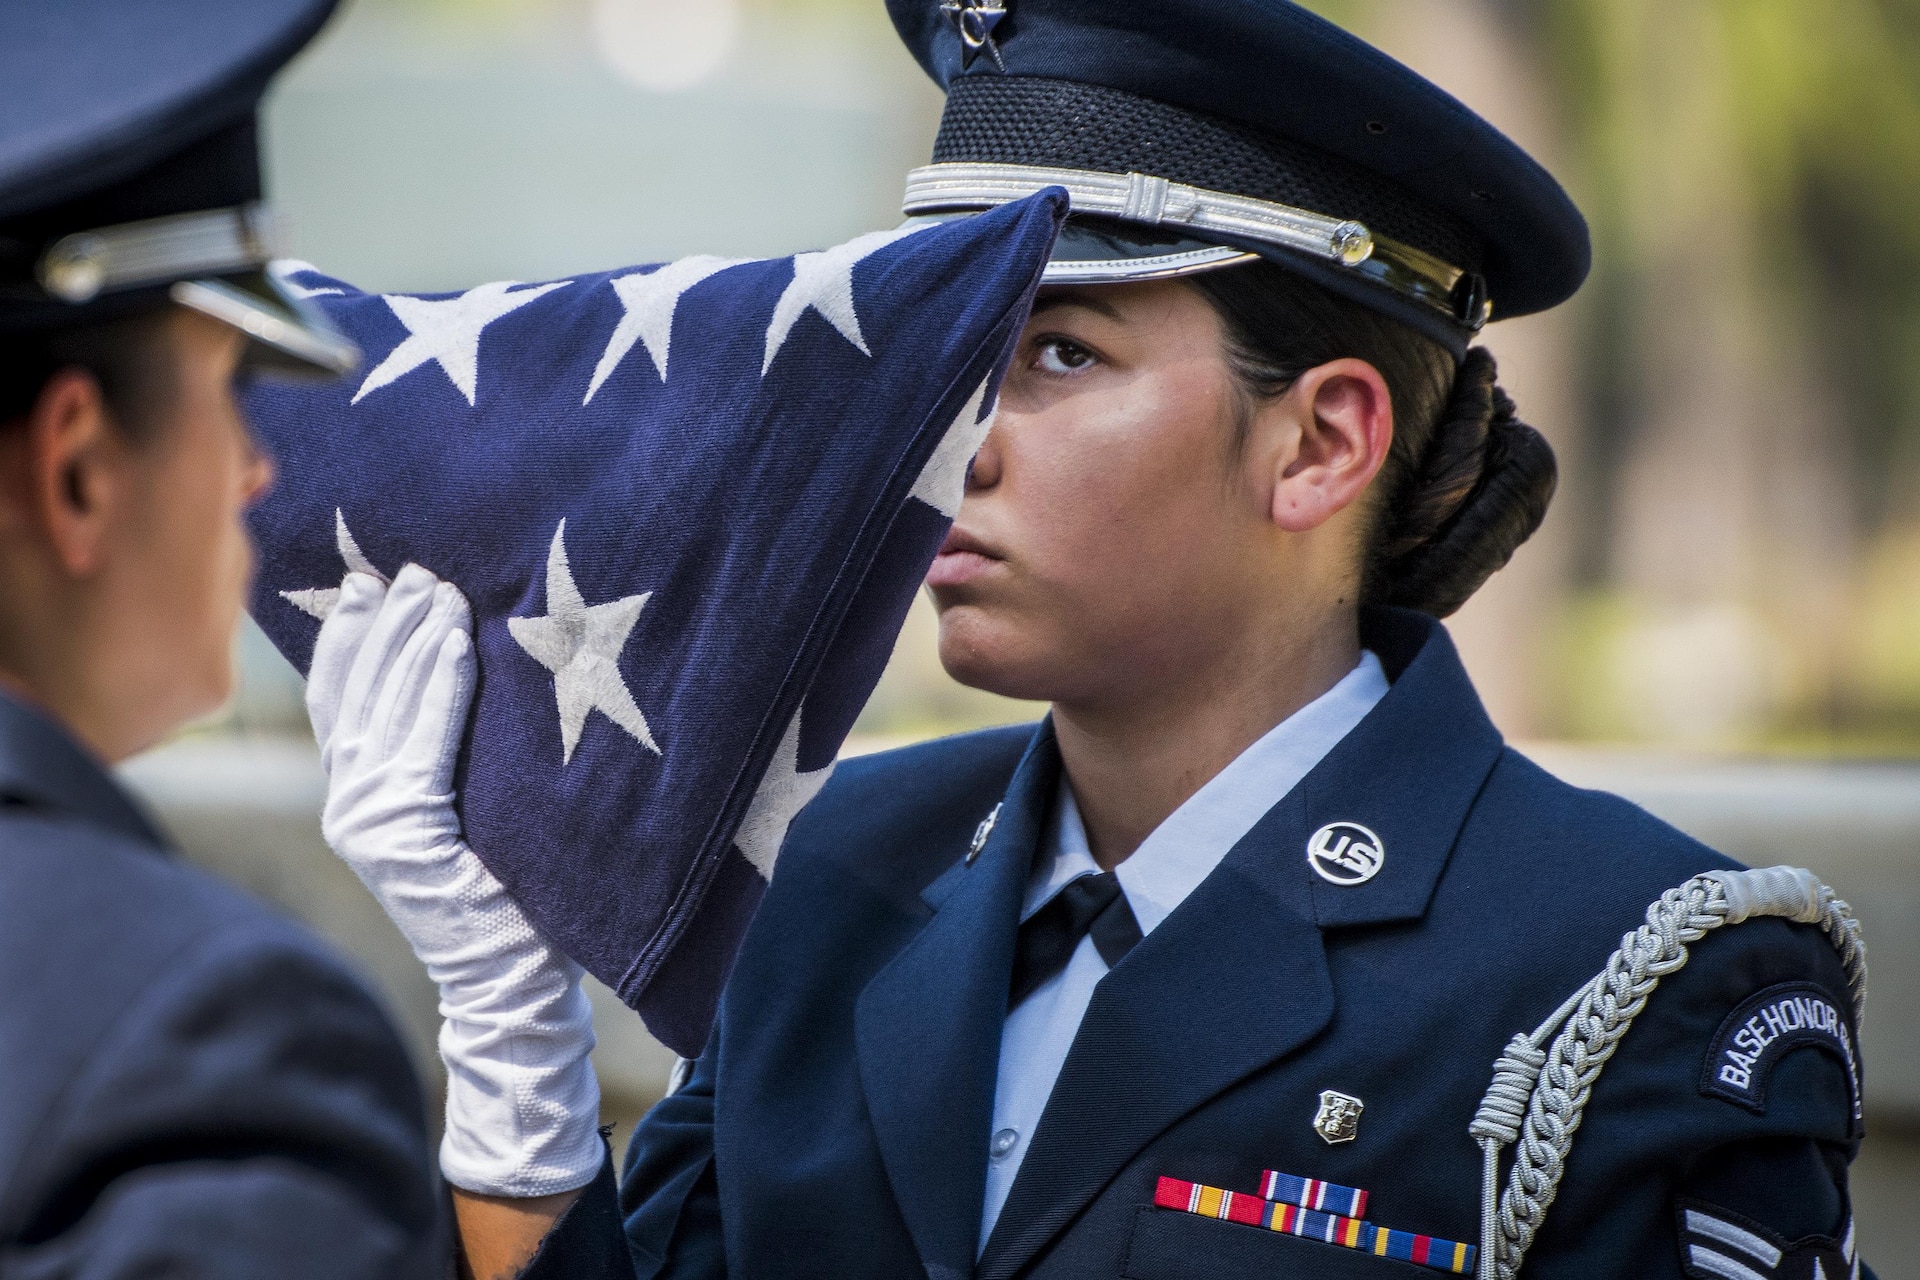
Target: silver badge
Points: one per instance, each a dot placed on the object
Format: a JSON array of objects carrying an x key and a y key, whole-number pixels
[
  {"x": 975, "y": 20},
  {"x": 1339, "y": 1118},
  {"x": 980, "y": 834},
  {"x": 1346, "y": 853}
]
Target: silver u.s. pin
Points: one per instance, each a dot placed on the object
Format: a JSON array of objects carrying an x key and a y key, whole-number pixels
[
  {"x": 1339, "y": 1117},
  {"x": 1346, "y": 853},
  {"x": 980, "y": 834}
]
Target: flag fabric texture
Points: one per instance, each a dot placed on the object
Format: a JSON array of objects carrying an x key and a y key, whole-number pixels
[{"x": 690, "y": 505}]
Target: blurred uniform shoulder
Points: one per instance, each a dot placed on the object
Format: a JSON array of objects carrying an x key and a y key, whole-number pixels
[
  {"x": 106, "y": 912},
  {"x": 920, "y": 803},
  {"x": 1576, "y": 840},
  {"x": 152, "y": 1007}
]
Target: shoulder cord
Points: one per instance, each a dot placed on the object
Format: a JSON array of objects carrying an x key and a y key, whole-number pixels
[{"x": 1538, "y": 1096}]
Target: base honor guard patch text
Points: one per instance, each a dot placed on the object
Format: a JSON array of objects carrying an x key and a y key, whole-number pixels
[
  {"x": 1717, "y": 1244},
  {"x": 1765, "y": 1028},
  {"x": 1309, "y": 1224}
]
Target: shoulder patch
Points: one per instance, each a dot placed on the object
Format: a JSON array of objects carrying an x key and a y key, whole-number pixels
[
  {"x": 1718, "y": 1244},
  {"x": 1764, "y": 1028}
]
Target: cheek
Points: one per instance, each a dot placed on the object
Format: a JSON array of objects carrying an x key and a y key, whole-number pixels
[
  {"x": 203, "y": 541},
  {"x": 1125, "y": 491}
]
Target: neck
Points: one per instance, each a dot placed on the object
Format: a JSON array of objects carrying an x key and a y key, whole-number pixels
[
  {"x": 52, "y": 659},
  {"x": 1132, "y": 760},
  {"x": 70, "y": 711}
]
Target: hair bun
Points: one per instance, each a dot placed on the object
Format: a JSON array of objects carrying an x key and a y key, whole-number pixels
[{"x": 1480, "y": 489}]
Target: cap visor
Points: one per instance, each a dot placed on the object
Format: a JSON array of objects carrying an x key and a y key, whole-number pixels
[
  {"x": 1099, "y": 251},
  {"x": 289, "y": 336}
]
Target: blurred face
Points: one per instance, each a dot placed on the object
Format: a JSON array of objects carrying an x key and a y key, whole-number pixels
[
  {"x": 1112, "y": 530},
  {"x": 176, "y": 562}
]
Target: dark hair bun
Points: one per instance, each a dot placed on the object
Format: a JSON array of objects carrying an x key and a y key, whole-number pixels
[{"x": 1479, "y": 489}]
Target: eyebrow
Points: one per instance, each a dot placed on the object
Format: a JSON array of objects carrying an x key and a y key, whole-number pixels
[{"x": 1088, "y": 298}]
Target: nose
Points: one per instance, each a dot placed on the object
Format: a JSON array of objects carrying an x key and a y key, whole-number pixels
[
  {"x": 256, "y": 475},
  {"x": 988, "y": 462}
]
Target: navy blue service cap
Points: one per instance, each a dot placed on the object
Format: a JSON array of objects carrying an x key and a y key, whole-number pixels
[
  {"x": 1195, "y": 134},
  {"x": 130, "y": 167}
]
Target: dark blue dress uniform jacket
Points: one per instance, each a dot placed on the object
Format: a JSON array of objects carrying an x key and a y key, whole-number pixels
[
  {"x": 190, "y": 1086},
  {"x": 837, "y": 1124}
]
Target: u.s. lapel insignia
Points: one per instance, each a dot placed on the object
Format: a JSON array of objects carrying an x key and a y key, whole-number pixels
[
  {"x": 1346, "y": 854},
  {"x": 980, "y": 834},
  {"x": 1339, "y": 1117},
  {"x": 975, "y": 21}
]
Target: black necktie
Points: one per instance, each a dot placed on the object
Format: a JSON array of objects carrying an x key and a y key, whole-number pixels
[{"x": 1090, "y": 905}]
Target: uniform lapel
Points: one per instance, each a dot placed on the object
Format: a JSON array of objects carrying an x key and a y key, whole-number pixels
[
  {"x": 1236, "y": 978},
  {"x": 927, "y": 1027},
  {"x": 1232, "y": 980}
]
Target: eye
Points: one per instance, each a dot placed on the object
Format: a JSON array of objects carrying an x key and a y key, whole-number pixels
[{"x": 1062, "y": 356}]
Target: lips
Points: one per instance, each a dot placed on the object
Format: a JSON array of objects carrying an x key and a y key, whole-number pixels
[{"x": 962, "y": 559}]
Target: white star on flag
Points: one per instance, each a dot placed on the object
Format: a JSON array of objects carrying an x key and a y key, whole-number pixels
[
  {"x": 651, "y": 298},
  {"x": 581, "y": 643},
  {"x": 448, "y": 330},
  {"x": 943, "y": 482},
  {"x": 783, "y": 793},
  {"x": 824, "y": 281},
  {"x": 320, "y": 601}
]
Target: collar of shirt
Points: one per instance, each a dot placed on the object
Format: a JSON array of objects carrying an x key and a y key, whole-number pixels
[{"x": 1185, "y": 848}]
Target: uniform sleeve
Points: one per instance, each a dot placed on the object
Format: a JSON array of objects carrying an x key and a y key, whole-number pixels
[
  {"x": 664, "y": 1219},
  {"x": 1717, "y": 1140},
  {"x": 586, "y": 1244},
  {"x": 669, "y": 1194},
  {"x": 252, "y": 1114}
]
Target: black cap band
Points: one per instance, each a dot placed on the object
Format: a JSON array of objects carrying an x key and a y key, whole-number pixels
[
  {"x": 1135, "y": 160},
  {"x": 1068, "y": 125}
]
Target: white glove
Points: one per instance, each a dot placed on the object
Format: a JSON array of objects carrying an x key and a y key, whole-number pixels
[{"x": 391, "y": 682}]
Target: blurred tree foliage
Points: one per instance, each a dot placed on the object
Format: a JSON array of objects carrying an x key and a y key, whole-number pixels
[
  {"x": 1747, "y": 563},
  {"x": 1818, "y": 104},
  {"x": 1825, "y": 104}
]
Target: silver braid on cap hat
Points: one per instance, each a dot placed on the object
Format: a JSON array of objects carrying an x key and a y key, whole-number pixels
[{"x": 1539, "y": 1096}]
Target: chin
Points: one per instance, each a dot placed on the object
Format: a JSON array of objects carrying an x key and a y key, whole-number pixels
[{"x": 988, "y": 653}]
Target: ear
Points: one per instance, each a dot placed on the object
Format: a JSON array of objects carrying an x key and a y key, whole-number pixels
[
  {"x": 68, "y": 472},
  {"x": 1342, "y": 417}
]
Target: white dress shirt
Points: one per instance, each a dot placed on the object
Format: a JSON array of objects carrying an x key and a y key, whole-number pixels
[{"x": 1168, "y": 865}]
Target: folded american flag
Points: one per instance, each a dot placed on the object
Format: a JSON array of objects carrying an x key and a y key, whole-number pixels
[{"x": 690, "y": 505}]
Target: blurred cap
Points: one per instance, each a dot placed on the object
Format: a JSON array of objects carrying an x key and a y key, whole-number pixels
[
  {"x": 1195, "y": 134},
  {"x": 130, "y": 167}
]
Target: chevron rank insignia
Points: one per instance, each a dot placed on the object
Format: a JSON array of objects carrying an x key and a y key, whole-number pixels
[
  {"x": 1311, "y": 1224},
  {"x": 1718, "y": 1244}
]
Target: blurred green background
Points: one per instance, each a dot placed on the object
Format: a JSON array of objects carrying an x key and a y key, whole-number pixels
[{"x": 1721, "y": 616}]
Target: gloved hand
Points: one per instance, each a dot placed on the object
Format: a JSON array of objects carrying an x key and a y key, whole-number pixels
[{"x": 392, "y": 678}]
